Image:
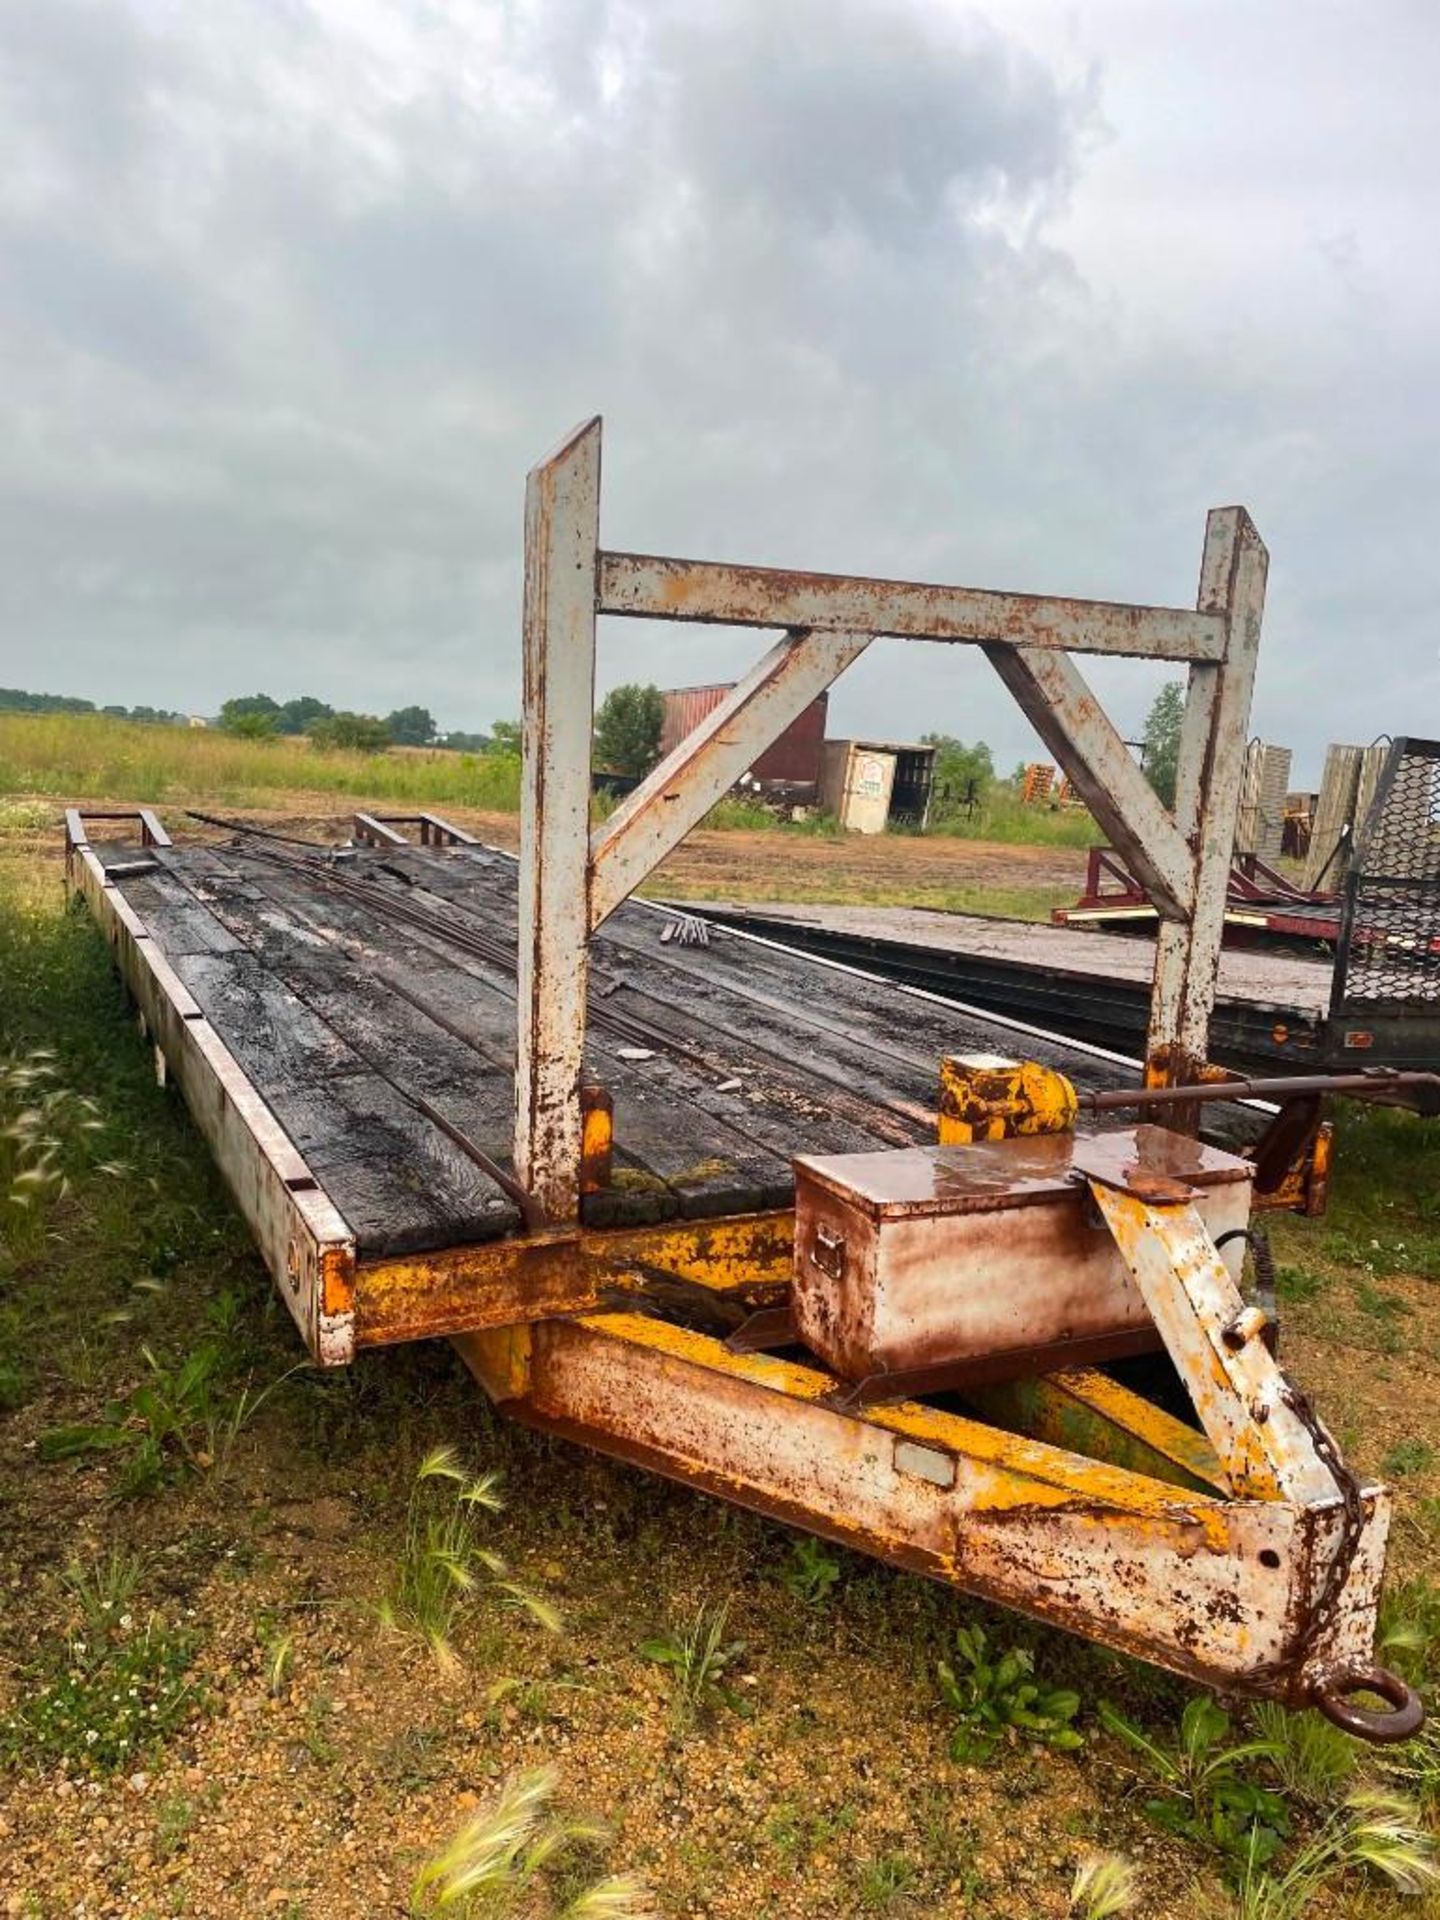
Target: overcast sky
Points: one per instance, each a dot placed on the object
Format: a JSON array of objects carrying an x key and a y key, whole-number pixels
[{"x": 294, "y": 291}]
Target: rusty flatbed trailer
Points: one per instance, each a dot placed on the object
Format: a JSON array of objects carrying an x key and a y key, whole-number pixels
[{"x": 754, "y": 1220}]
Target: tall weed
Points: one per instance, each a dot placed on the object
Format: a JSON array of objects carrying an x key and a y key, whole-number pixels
[{"x": 444, "y": 1564}]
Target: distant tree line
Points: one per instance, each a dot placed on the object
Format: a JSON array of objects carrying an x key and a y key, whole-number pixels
[
  {"x": 257, "y": 716},
  {"x": 16, "y": 700},
  {"x": 628, "y": 726}
]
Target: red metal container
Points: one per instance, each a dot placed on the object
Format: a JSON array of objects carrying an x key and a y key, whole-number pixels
[{"x": 794, "y": 758}]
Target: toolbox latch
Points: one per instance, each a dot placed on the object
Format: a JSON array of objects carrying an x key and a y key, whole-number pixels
[{"x": 827, "y": 1252}]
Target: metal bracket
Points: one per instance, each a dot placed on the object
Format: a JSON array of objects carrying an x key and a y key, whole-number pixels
[{"x": 1235, "y": 1384}]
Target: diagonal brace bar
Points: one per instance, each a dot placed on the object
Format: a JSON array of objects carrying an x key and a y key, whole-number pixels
[
  {"x": 1069, "y": 719},
  {"x": 1237, "y": 1389},
  {"x": 678, "y": 793}
]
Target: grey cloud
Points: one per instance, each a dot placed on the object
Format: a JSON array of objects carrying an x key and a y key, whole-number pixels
[
  {"x": 295, "y": 293},
  {"x": 850, "y": 114}
]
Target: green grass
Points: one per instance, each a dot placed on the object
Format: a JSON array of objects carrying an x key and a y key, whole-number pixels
[
  {"x": 102, "y": 1704},
  {"x": 90, "y": 756},
  {"x": 1385, "y": 1202},
  {"x": 103, "y": 1244},
  {"x": 108, "y": 1689},
  {"x": 69, "y": 756},
  {"x": 1409, "y": 1456},
  {"x": 1002, "y": 815},
  {"x": 185, "y": 1416}
]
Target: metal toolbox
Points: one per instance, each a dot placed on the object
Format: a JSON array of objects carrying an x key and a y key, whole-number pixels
[{"x": 930, "y": 1257}]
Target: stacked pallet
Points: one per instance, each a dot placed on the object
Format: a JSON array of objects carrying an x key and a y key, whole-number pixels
[
  {"x": 1347, "y": 789},
  {"x": 1260, "y": 826}
]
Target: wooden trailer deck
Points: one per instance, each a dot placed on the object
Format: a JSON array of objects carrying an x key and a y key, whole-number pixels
[{"x": 346, "y": 1021}]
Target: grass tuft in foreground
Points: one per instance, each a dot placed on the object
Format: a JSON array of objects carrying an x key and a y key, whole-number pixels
[
  {"x": 1105, "y": 1884},
  {"x": 1374, "y": 1832},
  {"x": 443, "y": 1563},
  {"x": 699, "y": 1658},
  {"x": 509, "y": 1850}
]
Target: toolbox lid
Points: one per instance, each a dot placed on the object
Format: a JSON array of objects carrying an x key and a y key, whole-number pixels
[{"x": 988, "y": 1176}]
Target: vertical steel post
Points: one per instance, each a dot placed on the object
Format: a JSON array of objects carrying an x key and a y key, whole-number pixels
[
  {"x": 562, "y": 530},
  {"x": 1207, "y": 797}
]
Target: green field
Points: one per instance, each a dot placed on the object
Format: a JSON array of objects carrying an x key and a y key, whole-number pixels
[
  {"x": 90, "y": 756},
  {"x": 67, "y": 756}
]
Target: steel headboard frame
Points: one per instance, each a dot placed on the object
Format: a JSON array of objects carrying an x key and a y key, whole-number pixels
[{"x": 572, "y": 879}]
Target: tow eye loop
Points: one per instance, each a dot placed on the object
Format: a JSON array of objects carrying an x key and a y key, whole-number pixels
[{"x": 1407, "y": 1710}]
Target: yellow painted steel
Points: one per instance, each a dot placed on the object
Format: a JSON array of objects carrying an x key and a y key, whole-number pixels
[
  {"x": 983, "y": 1097},
  {"x": 1306, "y": 1186},
  {"x": 499, "y": 1358},
  {"x": 532, "y": 1276},
  {"x": 597, "y": 1138},
  {"x": 1089, "y": 1413},
  {"x": 1018, "y": 1472}
]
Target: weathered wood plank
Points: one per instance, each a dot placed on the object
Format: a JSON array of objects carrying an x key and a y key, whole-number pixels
[
  {"x": 305, "y": 1241},
  {"x": 683, "y": 1149},
  {"x": 175, "y": 917},
  {"x": 407, "y": 1186},
  {"x": 756, "y": 1053},
  {"x": 308, "y": 1028}
]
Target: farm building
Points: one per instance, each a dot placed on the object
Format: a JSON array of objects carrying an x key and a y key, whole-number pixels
[{"x": 792, "y": 761}]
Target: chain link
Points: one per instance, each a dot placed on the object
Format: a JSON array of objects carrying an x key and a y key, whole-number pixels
[{"x": 1318, "y": 1616}]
